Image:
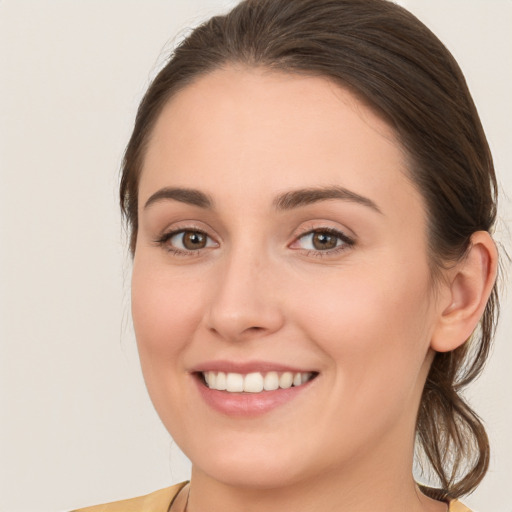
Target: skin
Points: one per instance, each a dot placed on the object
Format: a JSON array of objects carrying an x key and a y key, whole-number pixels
[{"x": 364, "y": 316}]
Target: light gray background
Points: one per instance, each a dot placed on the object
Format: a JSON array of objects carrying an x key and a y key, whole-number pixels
[{"x": 76, "y": 425}]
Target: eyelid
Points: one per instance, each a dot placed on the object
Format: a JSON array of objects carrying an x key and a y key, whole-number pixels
[
  {"x": 347, "y": 241},
  {"x": 166, "y": 235}
]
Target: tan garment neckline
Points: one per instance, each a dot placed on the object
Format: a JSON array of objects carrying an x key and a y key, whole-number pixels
[{"x": 180, "y": 501}]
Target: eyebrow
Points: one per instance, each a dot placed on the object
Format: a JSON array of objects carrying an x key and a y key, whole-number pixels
[
  {"x": 287, "y": 201},
  {"x": 306, "y": 196},
  {"x": 183, "y": 195}
]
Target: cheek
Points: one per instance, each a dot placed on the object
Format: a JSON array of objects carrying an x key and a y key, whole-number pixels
[
  {"x": 165, "y": 314},
  {"x": 374, "y": 325}
]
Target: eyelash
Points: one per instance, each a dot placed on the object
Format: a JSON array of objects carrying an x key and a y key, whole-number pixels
[
  {"x": 163, "y": 241},
  {"x": 346, "y": 242}
]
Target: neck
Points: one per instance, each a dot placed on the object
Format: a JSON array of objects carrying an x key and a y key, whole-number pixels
[{"x": 369, "y": 487}]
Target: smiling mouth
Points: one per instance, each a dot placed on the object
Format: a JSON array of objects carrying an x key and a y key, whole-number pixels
[{"x": 255, "y": 382}]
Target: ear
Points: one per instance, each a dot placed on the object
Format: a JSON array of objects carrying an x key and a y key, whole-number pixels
[{"x": 465, "y": 294}]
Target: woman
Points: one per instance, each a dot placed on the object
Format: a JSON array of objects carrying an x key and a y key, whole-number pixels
[{"x": 310, "y": 195}]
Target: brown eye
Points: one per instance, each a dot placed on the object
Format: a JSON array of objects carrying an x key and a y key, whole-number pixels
[
  {"x": 193, "y": 240},
  {"x": 323, "y": 241},
  {"x": 188, "y": 240}
]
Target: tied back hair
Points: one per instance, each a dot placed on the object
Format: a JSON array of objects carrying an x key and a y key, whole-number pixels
[{"x": 394, "y": 63}]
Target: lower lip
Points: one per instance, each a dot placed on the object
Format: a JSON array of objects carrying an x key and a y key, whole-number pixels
[{"x": 248, "y": 404}]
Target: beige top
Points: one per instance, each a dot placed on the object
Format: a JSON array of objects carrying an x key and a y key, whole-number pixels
[{"x": 160, "y": 501}]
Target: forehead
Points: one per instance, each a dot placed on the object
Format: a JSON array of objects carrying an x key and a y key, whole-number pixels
[{"x": 259, "y": 130}]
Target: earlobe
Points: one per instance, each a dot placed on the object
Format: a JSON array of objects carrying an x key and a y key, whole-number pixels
[{"x": 469, "y": 286}]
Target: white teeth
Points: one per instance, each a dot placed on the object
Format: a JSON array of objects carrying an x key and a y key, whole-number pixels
[
  {"x": 271, "y": 381},
  {"x": 304, "y": 377},
  {"x": 254, "y": 382},
  {"x": 234, "y": 382},
  {"x": 286, "y": 380},
  {"x": 220, "y": 382}
]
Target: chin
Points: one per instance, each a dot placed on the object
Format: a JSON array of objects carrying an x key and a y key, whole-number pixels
[
  {"x": 251, "y": 475},
  {"x": 251, "y": 466}
]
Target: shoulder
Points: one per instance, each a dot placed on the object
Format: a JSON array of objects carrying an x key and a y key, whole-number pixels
[
  {"x": 457, "y": 506},
  {"x": 157, "y": 501}
]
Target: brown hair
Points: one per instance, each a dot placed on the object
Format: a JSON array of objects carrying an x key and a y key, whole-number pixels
[{"x": 391, "y": 60}]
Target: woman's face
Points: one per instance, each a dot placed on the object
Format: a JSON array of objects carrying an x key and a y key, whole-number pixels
[{"x": 280, "y": 240}]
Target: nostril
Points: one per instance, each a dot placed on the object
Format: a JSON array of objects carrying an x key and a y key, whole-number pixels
[{"x": 238, "y": 319}]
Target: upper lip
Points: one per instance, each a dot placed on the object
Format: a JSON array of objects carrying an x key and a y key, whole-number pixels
[{"x": 246, "y": 367}]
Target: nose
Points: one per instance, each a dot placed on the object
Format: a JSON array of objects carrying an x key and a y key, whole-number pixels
[{"x": 244, "y": 304}]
